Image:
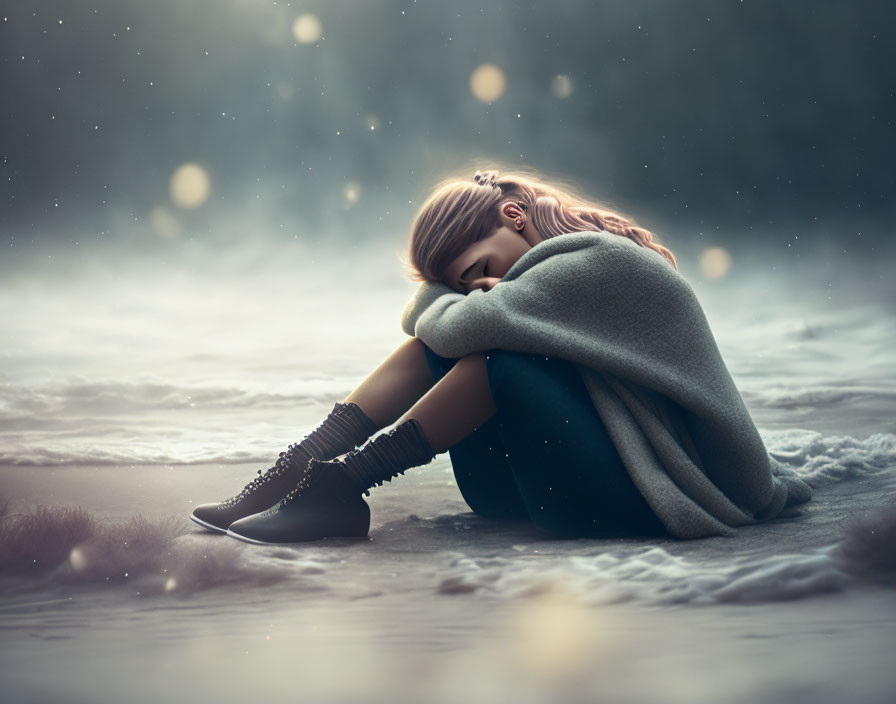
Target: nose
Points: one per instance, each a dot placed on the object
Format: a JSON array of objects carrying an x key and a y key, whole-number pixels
[{"x": 486, "y": 283}]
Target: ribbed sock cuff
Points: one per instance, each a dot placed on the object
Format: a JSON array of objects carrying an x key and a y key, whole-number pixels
[
  {"x": 345, "y": 428},
  {"x": 388, "y": 455}
]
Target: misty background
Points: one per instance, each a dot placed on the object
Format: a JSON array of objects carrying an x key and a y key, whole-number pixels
[{"x": 723, "y": 122}]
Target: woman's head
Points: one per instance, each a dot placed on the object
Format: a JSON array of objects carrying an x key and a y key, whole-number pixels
[
  {"x": 484, "y": 262},
  {"x": 499, "y": 218}
]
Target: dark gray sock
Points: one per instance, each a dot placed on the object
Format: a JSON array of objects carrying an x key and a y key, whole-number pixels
[
  {"x": 343, "y": 430},
  {"x": 388, "y": 455}
]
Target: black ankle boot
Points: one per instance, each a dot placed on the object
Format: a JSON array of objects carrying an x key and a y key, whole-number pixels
[
  {"x": 328, "y": 502},
  {"x": 346, "y": 427}
]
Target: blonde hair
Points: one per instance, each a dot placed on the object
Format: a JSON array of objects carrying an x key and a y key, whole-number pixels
[{"x": 460, "y": 212}]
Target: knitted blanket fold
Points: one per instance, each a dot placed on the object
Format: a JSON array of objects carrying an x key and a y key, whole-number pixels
[{"x": 635, "y": 332}]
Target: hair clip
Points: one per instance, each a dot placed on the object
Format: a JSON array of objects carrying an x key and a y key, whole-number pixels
[{"x": 485, "y": 177}]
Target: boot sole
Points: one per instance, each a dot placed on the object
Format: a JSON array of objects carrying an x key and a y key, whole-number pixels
[
  {"x": 208, "y": 525},
  {"x": 253, "y": 541}
]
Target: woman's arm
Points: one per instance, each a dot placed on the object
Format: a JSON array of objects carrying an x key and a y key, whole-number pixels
[{"x": 426, "y": 293}]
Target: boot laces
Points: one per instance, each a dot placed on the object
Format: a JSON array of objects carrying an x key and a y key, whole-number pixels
[
  {"x": 311, "y": 473},
  {"x": 285, "y": 460}
]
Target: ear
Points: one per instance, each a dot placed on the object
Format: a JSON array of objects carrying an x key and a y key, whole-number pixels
[
  {"x": 515, "y": 215},
  {"x": 509, "y": 209}
]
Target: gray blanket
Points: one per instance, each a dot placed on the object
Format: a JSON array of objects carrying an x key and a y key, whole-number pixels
[{"x": 638, "y": 337}]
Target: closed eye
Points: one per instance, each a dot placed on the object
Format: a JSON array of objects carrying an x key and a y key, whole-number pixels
[{"x": 473, "y": 277}]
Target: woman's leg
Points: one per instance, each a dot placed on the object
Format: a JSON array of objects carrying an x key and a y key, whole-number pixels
[
  {"x": 456, "y": 405},
  {"x": 457, "y": 417},
  {"x": 444, "y": 413},
  {"x": 449, "y": 409},
  {"x": 395, "y": 385},
  {"x": 570, "y": 475},
  {"x": 402, "y": 385},
  {"x": 480, "y": 462}
]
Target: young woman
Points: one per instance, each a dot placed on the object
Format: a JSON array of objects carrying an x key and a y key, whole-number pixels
[{"x": 495, "y": 412}]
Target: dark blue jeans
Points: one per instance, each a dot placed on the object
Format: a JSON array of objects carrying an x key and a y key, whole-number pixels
[{"x": 545, "y": 455}]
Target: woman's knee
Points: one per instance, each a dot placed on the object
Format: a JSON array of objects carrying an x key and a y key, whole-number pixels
[
  {"x": 438, "y": 365},
  {"x": 504, "y": 362},
  {"x": 514, "y": 371}
]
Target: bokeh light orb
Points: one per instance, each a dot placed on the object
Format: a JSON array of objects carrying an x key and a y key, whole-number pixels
[
  {"x": 715, "y": 262},
  {"x": 551, "y": 634},
  {"x": 488, "y": 83},
  {"x": 78, "y": 560},
  {"x": 164, "y": 222},
  {"x": 351, "y": 193},
  {"x": 561, "y": 86},
  {"x": 189, "y": 186},
  {"x": 307, "y": 28}
]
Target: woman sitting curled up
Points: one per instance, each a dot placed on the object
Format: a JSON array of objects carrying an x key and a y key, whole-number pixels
[{"x": 563, "y": 362}]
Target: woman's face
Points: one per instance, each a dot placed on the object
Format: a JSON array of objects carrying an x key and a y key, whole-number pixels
[{"x": 483, "y": 263}]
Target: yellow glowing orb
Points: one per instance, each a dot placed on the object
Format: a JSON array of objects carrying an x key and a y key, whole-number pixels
[
  {"x": 488, "y": 83},
  {"x": 170, "y": 584},
  {"x": 352, "y": 192},
  {"x": 164, "y": 222},
  {"x": 78, "y": 559},
  {"x": 307, "y": 28},
  {"x": 551, "y": 634},
  {"x": 189, "y": 186},
  {"x": 714, "y": 262},
  {"x": 561, "y": 86}
]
